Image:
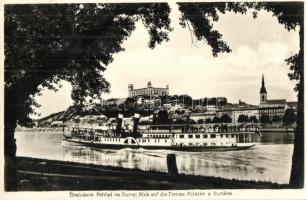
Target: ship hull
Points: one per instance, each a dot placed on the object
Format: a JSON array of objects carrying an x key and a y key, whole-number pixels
[{"x": 72, "y": 142}]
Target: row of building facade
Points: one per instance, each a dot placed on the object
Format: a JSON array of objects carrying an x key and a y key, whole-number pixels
[{"x": 270, "y": 107}]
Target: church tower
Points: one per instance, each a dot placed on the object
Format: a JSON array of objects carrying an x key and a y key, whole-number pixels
[{"x": 263, "y": 93}]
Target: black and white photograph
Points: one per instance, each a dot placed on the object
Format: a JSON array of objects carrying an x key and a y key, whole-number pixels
[{"x": 153, "y": 100}]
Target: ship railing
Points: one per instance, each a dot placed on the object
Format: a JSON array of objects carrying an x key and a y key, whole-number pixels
[{"x": 203, "y": 128}]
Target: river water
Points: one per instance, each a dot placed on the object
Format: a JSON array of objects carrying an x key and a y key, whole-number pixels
[{"x": 269, "y": 160}]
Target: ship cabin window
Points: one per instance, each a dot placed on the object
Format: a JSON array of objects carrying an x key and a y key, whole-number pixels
[
  {"x": 148, "y": 140},
  {"x": 190, "y": 144},
  {"x": 226, "y": 135},
  {"x": 197, "y": 136},
  {"x": 232, "y": 135},
  {"x": 205, "y": 144},
  {"x": 213, "y": 136},
  {"x": 165, "y": 141},
  {"x": 190, "y": 136},
  {"x": 126, "y": 141},
  {"x": 222, "y": 135},
  {"x": 181, "y": 136},
  {"x": 212, "y": 144},
  {"x": 132, "y": 142},
  {"x": 205, "y": 136}
]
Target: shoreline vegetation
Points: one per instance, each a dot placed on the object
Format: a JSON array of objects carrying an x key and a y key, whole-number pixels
[
  {"x": 35, "y": 174},
  {"x": 60, "y": 129}
]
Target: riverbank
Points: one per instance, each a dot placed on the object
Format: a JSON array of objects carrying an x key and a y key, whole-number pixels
[
  {"x": 60, "y": 129},
  {"x": 48, "y": 175}
]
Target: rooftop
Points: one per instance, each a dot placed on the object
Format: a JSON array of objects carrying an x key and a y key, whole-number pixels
[{"x": 277, "y": 101}]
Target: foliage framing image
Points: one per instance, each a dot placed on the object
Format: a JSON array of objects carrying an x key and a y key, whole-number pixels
[{"x": 47, "y": 43}]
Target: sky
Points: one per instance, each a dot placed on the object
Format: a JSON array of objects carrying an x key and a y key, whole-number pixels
[{"x": 259, "y": 46}]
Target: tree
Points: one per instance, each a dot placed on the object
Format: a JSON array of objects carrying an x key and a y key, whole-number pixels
[
  {"x": 265, "y": 119},
  {"x": 289, "y": 117},
  {"x": 191, "y": 121},
  {"x": 200, "y": 121},
  {"x": 179, "y": 112},
  {"x": 198, "y": 17},
  {"x": 243, "y": 118},
  {"x": 225, "y": 119},
  {"x": 253, "y": 119},
  {"x": 184, "y": 99},
  {"x": 179, "y": 121},
  {"x": 216, "y": 120},
  {"x": 276, "y": 119},
  {"x": 73, "y": 42},
  {"x": 208, "y": 121},
  {"x": 162, "y": 117}
]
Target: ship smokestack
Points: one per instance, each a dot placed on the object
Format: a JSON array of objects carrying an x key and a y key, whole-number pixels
[
  {"x": 136, "y": 120},
  {"x": 119, "y": 124}
]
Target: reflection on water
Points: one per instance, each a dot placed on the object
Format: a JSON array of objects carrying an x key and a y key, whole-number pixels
[
  {"x": 269, "y": 160},
  {"x": 276, "y": 138}
]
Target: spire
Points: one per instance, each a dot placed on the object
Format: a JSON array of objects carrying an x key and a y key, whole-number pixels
[{"x": 262, "y": 90}]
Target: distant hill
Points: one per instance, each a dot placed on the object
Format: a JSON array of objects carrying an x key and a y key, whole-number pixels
[
  {"x": 49, "y": 119},
  {"x": 110, "y": 108}
]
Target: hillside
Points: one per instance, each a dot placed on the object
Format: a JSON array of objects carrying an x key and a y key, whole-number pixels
[{"x": 110, "y": 109}]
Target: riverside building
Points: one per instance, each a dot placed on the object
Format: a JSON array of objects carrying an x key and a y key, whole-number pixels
[{"x": 273, "y": 107}]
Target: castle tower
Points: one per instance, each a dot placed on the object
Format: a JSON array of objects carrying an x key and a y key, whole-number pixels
[
  {"x": 130, "y": 90},
  {"x": 263, "y": 93},
  {"x": 149, "y": 84}
]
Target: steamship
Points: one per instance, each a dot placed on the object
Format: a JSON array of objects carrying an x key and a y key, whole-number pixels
[{"x": 176, "y": 137}]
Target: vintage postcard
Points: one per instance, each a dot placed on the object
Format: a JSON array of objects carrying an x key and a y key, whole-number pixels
[{"x": 153, "y": 100}]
